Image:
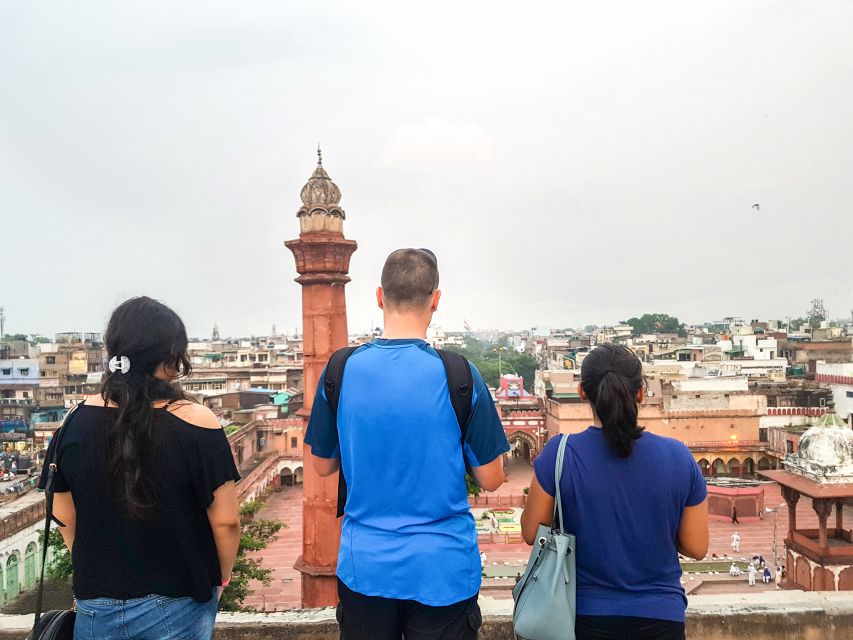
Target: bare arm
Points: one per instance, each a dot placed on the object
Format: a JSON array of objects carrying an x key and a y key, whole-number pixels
[
  {"x": 224, "y": 517},
  {"x": 491, "y": 475},
  {"x": 325, "y": 466},
  {"x": 538, "y": 510},
  {"x": 65, "y": 511},
  {"x": 692, "y": 537}
]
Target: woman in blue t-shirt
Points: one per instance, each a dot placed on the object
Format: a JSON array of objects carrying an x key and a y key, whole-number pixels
[{"x": 634, "y": 501}]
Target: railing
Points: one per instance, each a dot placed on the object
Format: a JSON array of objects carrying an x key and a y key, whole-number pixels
[
  {"x": 484, "y": 537},
  {"x": 20, "y": 520},
  {"x": 807, "y": 540},
  {"x": 727, "y": 444},
  {"x": 247, "y": 483},
  {"x": 497, "y": 501},
  {"x": 813, "y": 412}
]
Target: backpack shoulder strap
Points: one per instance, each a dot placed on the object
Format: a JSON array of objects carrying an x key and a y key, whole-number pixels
[
  {"x": 334, "y": 376},
  {"x": 460, "y": 384},
  {"x": 332, "y": 386}
]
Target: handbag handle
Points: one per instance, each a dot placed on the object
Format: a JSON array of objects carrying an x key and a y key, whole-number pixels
[
  {"x": 558, "y": 474},
  {"x": 52, "y": 466}
]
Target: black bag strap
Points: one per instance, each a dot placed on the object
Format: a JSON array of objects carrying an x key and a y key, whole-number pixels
[
  {"x": 52, "y": 466},
  {"x": 332, "y": 386}
]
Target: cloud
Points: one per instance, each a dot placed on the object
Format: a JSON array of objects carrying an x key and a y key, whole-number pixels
[{"x": 436, "y": 146}]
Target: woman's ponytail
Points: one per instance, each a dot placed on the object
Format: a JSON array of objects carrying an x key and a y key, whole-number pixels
[{"x": 611, "y": 377}]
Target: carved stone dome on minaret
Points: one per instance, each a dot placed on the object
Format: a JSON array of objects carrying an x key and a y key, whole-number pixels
[{"x": 320, "y": 210}]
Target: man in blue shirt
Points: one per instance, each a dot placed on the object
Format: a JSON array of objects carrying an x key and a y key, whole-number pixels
[{"x": 408, "y": 562}]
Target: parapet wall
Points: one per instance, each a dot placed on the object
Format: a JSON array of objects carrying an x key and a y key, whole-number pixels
[{"x": 788, "y": 615}]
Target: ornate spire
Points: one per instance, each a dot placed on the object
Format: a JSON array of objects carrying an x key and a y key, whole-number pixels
[{"x": 320, "y": 197}]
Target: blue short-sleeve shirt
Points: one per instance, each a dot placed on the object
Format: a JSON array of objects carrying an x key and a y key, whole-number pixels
[
  {"x": 625, "y": 514},
  {"x": 407, "y": 532}
]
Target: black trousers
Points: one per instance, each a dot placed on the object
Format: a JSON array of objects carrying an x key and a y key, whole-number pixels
[
  {"x": 627, "y": 628},
  {"x": 364, "y": 617}
]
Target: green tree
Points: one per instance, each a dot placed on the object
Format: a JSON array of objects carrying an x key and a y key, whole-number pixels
[
  {"x": 255, "y": 535},
  {"x": 9, "y": 337},
  {"x": 58, "y": 557},
  {"x": 473, "y": 487},
  {"x": 484, "y": 355},
  {"x": 656, "y": 323}
]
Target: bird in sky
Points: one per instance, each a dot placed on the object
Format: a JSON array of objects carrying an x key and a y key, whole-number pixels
[{"x": 756, "y": 206}]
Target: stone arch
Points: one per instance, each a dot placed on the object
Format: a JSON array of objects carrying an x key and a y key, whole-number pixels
[
  {"x": 763, "y": 463},
  {"x": 824, "y": 580},
  {"x": 845, "y": 580},
  {"x": 13, "y": 588},
  {"x": 749, "y": 466},
  {"x": 30, "y": 565},
  {"x": 297, "y": 475},
  {"x": 718, "y": 467},
  {"x": 803, "y": 576},
  {"x": 526, "y": 442},
  {"x": 705, "y": 466},
  {"x": 286, "y": 477},
  {"x": 733, "y": 467}
]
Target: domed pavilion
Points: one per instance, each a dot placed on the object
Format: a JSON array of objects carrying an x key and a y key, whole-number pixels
[{"x": 822, "y": 469}]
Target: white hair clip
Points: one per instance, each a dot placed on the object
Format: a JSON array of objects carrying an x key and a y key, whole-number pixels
[{"x": 119, "y": 363}]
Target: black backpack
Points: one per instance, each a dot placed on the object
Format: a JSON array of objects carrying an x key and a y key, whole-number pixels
[{"x": 460, "y": 383}]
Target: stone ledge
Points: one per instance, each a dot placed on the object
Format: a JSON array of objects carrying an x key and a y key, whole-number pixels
[{"x": 780, "y": 615}]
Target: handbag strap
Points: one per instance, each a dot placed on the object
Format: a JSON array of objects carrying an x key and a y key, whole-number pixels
[
  {"x": 558, "y": 474},
  {"x": 52, "y": 466}
]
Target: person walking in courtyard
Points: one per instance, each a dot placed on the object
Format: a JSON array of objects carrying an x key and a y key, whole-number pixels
[
  {"x": 144, "y": 487},
  {"x": 767, "y": 577},
  {"x": 751, "y": 573},
  {"x": 609, "y": 507},
  {"x": 735, "y": 542},
  {"x": 408, "y": 563},
  {"x": 734, "y": 515}
]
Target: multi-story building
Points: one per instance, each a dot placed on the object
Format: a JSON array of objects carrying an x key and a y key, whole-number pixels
[
  {"x": 19, "y": 378},
  {"x": 839, "y": 378}
]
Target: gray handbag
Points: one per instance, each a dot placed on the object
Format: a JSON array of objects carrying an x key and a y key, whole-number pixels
[{"x": 544, "y": 597}]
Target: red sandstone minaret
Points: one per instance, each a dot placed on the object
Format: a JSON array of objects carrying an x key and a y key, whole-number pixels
[{"x": 322, "y": 261}]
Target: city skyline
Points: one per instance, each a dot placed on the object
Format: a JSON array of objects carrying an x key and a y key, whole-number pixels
[
  {"x": 573, "y": 170},
  {"x": 355, "y": 331}
]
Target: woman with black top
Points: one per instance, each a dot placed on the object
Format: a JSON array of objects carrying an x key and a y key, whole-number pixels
[{"x": 146, "y": 490}]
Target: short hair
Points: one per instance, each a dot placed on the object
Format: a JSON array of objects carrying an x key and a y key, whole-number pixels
[{"x": 409, "y": 278}]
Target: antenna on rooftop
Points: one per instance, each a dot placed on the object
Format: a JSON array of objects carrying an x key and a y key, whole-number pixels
[{"x": 2, "y": 322}]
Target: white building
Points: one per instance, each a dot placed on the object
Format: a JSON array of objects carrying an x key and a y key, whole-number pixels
[{"x": 839, "y": 377}]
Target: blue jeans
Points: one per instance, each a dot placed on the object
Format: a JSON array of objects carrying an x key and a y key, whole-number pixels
[{"x": 150, "y": 618}]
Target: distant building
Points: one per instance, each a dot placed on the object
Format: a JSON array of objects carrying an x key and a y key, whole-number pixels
[{"x": 839, "y": 377}]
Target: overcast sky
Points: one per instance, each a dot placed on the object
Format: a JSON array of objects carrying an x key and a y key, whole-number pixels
[{"x": 569, "y": 163}]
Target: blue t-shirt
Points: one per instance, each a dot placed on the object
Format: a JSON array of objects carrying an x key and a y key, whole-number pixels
[
  {"x": 407, "y": 532},
  {"x": 625, "y": 514}
]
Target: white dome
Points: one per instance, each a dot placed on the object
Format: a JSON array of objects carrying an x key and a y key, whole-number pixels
[{"x": 825, "y": 451}]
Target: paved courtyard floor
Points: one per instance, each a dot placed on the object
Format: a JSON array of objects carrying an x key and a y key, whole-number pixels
[{"x": 508, "y": 559}]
